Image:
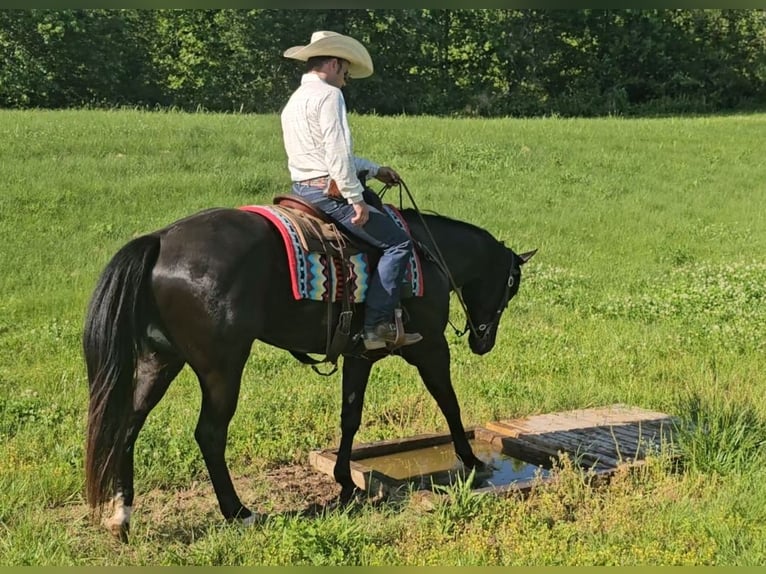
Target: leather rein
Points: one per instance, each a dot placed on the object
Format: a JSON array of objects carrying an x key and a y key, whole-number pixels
[
  {"x": 336, "y": 342},
  {"x": 484, "y": 329}
]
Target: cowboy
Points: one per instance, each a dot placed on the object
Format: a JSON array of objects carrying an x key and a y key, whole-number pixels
[{"x": 324, "y": 171}]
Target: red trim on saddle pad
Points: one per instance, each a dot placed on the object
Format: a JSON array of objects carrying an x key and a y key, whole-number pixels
[
  {"x": 291, "y": 259},
  {"x": 313, "y": 277},
  {"x": 418, "y": 282}
]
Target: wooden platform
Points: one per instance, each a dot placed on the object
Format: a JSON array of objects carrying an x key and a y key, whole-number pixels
[{"x": 598, "y": 439}]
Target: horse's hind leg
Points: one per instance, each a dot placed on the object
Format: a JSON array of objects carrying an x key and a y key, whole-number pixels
[
  {"x": 154, "y": 373},
  {"x": 220, "y": 391}
]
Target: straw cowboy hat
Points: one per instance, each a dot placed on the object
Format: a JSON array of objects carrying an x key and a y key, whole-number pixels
[{"x": 324, "y": 43}]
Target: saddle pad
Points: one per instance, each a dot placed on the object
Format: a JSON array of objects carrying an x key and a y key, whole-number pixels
[{"x": 313, "y": 277}]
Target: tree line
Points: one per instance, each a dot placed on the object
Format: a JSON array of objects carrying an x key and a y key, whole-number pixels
[{"x": 498, "y": 62}]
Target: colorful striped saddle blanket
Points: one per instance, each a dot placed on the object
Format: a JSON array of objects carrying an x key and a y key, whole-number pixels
[{"x": 314, "y": 274}]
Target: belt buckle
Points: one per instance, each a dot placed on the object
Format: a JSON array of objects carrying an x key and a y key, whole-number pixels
[{"x": 317, "y": 181}]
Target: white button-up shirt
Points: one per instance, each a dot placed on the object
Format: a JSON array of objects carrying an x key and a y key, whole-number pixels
[{"x": 318, "y": 140}]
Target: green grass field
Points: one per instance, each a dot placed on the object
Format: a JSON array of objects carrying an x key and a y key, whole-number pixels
[{"x": 649, "y": 289}]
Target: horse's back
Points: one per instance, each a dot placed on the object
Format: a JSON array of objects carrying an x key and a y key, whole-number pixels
[
  {"x": 215, "y": 269},
  {"x": 233, "y": 228}
]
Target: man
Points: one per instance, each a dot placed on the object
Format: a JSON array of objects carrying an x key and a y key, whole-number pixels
[{"x": 324, "y": 171}]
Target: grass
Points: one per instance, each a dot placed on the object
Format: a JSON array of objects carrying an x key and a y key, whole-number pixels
[{"x": 648, "y": 289}]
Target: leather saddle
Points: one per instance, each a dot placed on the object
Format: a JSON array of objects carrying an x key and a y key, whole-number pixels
[{"x": 318, "y": 233}]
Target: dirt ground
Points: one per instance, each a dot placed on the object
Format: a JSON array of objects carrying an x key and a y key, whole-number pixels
[
  {"x": 185, "y": 514},
  {"x": 286, "y": 489},
  {"x": 297, "y": 488}
]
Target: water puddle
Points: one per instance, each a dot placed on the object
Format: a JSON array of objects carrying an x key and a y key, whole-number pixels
[{"x": 439, "y": 465}]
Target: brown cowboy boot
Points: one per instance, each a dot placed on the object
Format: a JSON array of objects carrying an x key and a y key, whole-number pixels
[{"x": 390, "y": 335}]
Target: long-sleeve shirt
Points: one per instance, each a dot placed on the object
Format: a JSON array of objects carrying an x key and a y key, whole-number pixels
[{"x": 317, "y": 138}]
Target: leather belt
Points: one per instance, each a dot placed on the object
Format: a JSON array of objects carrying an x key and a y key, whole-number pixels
[
  {"x": 316, "y": 182},
  {"x": 326, "y": 183}
]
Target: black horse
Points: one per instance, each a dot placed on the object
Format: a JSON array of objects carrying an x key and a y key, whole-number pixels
[{"x": 201, "y": 290}]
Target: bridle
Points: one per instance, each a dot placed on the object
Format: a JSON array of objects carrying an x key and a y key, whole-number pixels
[
  {"x": 486, "y": 328},
  {"x": 483, "y": 330}
]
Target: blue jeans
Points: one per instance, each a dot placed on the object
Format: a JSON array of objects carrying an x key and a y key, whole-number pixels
[{"x": 380, "y": 231}]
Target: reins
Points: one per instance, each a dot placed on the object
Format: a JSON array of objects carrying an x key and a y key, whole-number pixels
[{"x": 438, "y": 259}]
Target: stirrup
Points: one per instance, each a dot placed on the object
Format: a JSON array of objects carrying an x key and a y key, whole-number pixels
[{"x": 400, "y": 335}]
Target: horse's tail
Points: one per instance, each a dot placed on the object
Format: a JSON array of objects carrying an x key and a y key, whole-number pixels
[{"x": 118, "y": 315}]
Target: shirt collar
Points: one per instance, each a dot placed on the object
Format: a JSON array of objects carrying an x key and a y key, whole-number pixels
[{"x": 306, "y": 78}]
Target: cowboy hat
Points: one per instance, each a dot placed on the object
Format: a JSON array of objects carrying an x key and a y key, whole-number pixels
[{"x": 324, "y": 43}]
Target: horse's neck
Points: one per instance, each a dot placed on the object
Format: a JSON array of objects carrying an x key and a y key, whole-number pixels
[{"x": 466, "y": 249}]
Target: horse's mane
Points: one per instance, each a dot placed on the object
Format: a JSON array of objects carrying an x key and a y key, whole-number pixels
[
  {"x": 412, "y": 214},
  {"x": 431, "y": 213}
]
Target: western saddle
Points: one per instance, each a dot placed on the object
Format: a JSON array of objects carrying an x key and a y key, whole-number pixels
[{"x": 318, "y": 233}]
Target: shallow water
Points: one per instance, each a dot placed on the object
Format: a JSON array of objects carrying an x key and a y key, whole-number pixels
[{"x": 439, "y": 465}]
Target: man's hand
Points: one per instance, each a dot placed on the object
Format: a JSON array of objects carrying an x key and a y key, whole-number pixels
[
  {"x": 361, "y": 213},
  {"x": 387, "y": 175}
]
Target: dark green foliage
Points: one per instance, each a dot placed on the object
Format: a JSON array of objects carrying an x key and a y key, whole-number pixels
[
  {"x": 65, "y": 58},
  {"x": 496, "y": 62}
]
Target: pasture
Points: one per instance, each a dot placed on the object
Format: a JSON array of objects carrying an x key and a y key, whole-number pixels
[{"x": 649, "y": 288}]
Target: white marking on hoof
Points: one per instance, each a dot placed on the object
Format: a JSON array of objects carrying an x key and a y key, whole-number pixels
[
  {"x": 255, "y": 518},
  {"x": 122, "y": 514},
  {"x": 119, "y": 523}
]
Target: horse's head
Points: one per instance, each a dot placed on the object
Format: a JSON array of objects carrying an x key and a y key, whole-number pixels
[{"x": 487, "y": 296}]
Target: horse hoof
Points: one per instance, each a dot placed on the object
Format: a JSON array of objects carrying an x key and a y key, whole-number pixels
[
  {"x": 474, "y": 462},
  {"x": 119, "y": 522},
  {"x": 118, "y": 529},
  {"x": 349, "y": 496},
  {"x": 481, "y": 470},
  {"x": 486, "y": 470},
  {"x": 254, "y": 519}
]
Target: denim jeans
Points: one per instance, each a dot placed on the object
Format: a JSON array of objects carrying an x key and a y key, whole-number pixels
[{"x": 380, "y": 230}]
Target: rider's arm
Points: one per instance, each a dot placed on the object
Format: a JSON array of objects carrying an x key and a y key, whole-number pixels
[{"x": 338, "y": 147}]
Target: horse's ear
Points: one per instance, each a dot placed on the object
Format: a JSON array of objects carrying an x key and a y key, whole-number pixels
[{"x": 527, "y": 256}]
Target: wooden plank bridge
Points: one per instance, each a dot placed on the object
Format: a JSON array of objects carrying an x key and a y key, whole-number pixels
[{"x": 599, "y": 439}]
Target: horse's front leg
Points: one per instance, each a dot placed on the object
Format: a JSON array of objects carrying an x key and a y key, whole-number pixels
[
  {"x": 432, "y": 359},
  {"x": 356, "y": 373}
]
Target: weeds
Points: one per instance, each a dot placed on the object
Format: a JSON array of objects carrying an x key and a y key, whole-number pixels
[{"x": 720, "y": 435}]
